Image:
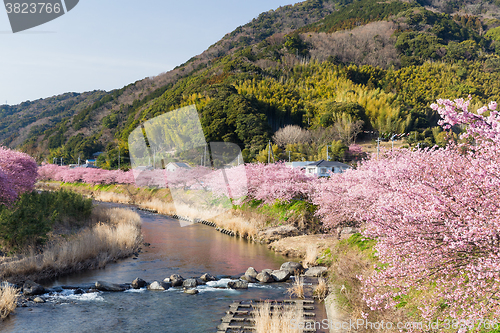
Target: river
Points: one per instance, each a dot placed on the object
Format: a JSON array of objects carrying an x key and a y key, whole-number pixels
[{"x": 189, "y": 251}]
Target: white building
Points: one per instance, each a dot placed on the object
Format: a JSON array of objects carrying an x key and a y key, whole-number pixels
[
  {"x": 325, "y": 168},
  {"x": 301, "y": 165},
  {"x": 173, "y": 166}
]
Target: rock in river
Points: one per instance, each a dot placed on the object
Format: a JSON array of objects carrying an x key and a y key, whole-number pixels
[
  {"x": 31, "y": 288},
  {"x": 316, "y": 271},
  {"x": 138, "y": 283},
  {"x": 265, "y": 277},
  {"x": 155, "y": 285},
  {"x": 189, "y": 283},
  {"x": 207, "y": 277},
  {"x": 248, "y": 278},
  {"x": 292, "y": 267},
  {"x": 238, "y": 284},
  {"x": 251, "y": 272},
  {"x": 107, "y": 286},
  {"x": 191, "y": 291},
  {"x": 176, "y": 280},
  {"x": 280, "y": 275}
]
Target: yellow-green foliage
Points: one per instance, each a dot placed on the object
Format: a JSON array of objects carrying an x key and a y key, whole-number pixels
[
  {"x": 494, "y": 34},
  {"x": 314, "y": 84}
]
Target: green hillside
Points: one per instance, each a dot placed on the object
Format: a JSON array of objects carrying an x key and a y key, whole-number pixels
[{"x": 314, "y": 64}]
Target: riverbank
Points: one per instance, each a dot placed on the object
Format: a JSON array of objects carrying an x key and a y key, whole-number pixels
[
  {"x": 111, "y": 234},
  {"x": 259, "y": 223},
  {"x": 285, "y": 231}
]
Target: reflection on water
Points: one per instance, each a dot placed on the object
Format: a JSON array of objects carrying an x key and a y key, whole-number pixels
[{"x": 189, "y": 251}]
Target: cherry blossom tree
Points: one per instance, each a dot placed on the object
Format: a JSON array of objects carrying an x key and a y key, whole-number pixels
[
  {"x": 437, "y": 223},
  {"x": 18, "y": 173}
]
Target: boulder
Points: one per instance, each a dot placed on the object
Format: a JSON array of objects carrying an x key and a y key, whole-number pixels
[
  {"x": 248, "y": 278},
  {"x": 265, "y": 277},
  {"x": 280, "y": 276},
  {"x": 316, "y": 271},
  {"x": 107, "y": 286},
  {"x": 268, "y": 271},
  {"x": 138, "y": 283},
  {"x": 57, "y": 290},
  {"x": 237, "y": 284},
  {"x": 31, "y": 288},
  {"x": 292, "y": 267},
  {"x": 191, "y": 291},
  {"x": 189, "y": 283},
  {"x": 176, "y": 280},
  {"x": 155, "y": 285},
  {"x": 79, "y": 291},
  {"x": 207, "y": 277},
  {"x": 39, "y": 300},
  {"x": 166, "y": 280},
  {"x": 251, "y": 272}
]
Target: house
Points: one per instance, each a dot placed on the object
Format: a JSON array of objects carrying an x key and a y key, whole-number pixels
[
  {"x": 301, "y": 165},
  {"x": 86, "y": 166},
  {"x": 324, "y": 168},
  {"x": 90, "y": 162},
  {"x": 173, "y": 166}
]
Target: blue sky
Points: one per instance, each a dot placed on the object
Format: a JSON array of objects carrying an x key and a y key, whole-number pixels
[{"x": 107, "y": 44}]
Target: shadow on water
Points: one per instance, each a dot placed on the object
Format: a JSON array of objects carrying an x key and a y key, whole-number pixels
[{"x": 189, "y": 251}]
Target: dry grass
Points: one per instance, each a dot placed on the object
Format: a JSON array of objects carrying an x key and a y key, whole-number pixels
[
  {"x": 321, "y": 290},
  {"x": 312, "y": 253},
  {"x": 297, "y": 288},
  {"x": 8, "y": 300},
  {"x": 112, "y": 197},
  {"x": 283, "y": 319},
  {"x": 244, "y": 223},
  {"x": 116, "y": 234},
  {"x": 160, "y": 206},
  {"x": 299, "y": 245}
]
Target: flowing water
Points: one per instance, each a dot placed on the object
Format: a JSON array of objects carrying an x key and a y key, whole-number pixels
[{"x": 189, "y": 251}]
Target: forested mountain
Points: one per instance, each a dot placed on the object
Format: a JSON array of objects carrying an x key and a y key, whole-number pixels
[{"x": 320, "y": 64}]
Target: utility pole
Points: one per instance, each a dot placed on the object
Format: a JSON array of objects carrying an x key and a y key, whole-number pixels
[
  {"x": 269, "y": 153},
  {"x": 205, "y": 157},
  {"x": 378, "y": 147},
  {"x": 61, "y": 161},
  {"x": 154, "y": 158},
  {"x": 78, "y": 160},
  {"x": 54, "y": 160},
  {"x": 289, "y": 159},
  {"x": 327, "y": 156}
]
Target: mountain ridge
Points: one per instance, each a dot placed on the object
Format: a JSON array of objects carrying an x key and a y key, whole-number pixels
[{"x": 270, "y": 47}]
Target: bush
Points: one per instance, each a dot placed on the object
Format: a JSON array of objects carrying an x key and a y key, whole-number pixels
[{"x": 30, "y": 219}]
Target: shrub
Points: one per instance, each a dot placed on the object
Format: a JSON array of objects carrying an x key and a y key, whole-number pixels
[{"x": 30, "y": 219}]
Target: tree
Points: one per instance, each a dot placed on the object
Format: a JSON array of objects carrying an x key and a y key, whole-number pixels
[
  {"x": 291, "y": 134},
  {"x": 347, "y": 128},
  {"x": 18, "y": 173}
]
